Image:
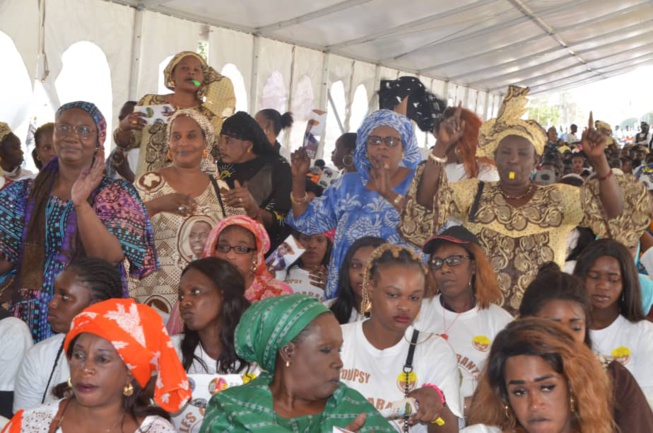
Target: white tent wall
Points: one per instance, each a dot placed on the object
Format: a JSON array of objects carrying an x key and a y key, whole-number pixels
[
  {"x": 136, "y": 41},
  {"x": 161, "y": 36}
]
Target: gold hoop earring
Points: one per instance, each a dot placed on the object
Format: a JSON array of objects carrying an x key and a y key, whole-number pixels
[
  {"x": 128, "y": 390},
  {"x": 348, "y": 160},
  {"x": 169, "y": 155}
]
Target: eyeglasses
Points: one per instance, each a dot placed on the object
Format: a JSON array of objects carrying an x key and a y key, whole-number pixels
[
  {"x": 375, "y": 140},
  {"x": 239, "y": 249},
  {"x": 451, "y": 261},
  {"x": 84, "y": 132}
]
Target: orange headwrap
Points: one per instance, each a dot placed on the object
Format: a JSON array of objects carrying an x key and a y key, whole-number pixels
[{"x": 137, "y": 333}]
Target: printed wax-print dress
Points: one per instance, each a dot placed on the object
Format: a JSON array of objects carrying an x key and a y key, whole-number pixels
[
  {"x": 354, "y": 212},
  {"x": 179, "y": 239},
  {"x": 120, "y": 209}
]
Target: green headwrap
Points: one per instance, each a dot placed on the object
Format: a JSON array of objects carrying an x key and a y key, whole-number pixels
[{"x": 270, "y": 324}]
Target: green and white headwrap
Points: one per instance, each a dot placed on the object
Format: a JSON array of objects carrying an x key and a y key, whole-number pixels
[{"x": 271, "y": 323}]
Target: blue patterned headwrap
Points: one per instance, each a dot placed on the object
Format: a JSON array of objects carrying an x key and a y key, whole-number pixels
[
  {"x": 93, "y": 111},
  {"x": 399, "y": 123}
]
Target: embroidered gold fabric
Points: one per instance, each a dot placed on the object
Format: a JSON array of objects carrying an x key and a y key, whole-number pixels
[{"x": 518, "y": 240}]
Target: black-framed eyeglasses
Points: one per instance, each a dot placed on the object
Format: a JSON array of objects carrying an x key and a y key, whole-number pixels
[
  {"x": 84, "y": 132},
  {"x": 375, "y": 140},
  {"x": 239, "y": 249},
  {"x": 436, "y": 263}
]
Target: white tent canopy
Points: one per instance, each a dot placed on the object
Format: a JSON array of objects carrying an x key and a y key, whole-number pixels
[{"x": 289, "y": 54}]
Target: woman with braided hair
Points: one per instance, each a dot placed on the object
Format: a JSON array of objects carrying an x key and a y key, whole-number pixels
[
  {"x": 386, "y": 359},
  {"x": 84, "y": 282}
]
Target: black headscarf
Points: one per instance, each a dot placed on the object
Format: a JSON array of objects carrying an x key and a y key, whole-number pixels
[{"x": 424, "y": 107}]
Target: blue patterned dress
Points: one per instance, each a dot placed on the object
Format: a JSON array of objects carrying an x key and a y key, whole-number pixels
[
  {"x": 353, "y": 210},
  {"x": 120, "y": 209}
]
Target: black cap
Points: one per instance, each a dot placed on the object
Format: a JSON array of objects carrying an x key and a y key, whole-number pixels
[{"x": 456, "y": 234}]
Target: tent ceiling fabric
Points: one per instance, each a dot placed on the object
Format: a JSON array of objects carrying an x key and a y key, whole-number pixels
[{"x": 484, "y": 44}]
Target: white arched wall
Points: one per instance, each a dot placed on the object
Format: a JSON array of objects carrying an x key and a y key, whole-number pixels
[
  {"x": 229, "y": 46},
  {"x": 161, "y": 36},
  {"x": 15, "y": 87},
  {"x": 19, "y": 20},
  {"x": 107, "y": 25},
  {"x": 273, "y": 56}
]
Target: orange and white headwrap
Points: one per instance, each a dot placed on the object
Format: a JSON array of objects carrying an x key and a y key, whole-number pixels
[{"x": 137, "y": 333}]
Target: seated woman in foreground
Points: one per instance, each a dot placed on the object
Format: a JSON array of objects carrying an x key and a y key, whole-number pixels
[{"x": 296, "y": 340}]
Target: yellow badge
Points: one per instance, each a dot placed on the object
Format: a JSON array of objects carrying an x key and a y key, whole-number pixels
[
  {"x": 412, "y": 381},
  {"x": 481, "y": 343},
  {"x": 621, "y": 354},
  {"x": 248, "y": 377}
]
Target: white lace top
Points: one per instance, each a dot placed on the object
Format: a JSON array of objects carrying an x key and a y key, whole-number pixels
[{"x": 38, "y": 420}]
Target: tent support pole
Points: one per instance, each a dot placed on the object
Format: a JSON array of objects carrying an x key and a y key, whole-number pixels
[
  {"x": 136, "y": 55},
  {"x": 253, "y": 86}
]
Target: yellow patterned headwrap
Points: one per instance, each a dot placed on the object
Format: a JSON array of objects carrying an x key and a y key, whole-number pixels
[
  {"x": 216, "y": 90},
  {"x": 4, "y": 130},
  {"x": 509, "y": 122}
]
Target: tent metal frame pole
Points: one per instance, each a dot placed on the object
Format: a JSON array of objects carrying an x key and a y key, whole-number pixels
[
  {"x": 135, "y": 67},
  {"x": 253, "y": 85},
  {"x": 324, "y": 97}
]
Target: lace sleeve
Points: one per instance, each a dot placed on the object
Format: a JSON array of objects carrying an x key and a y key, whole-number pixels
[{"x": 155, "y": 424}]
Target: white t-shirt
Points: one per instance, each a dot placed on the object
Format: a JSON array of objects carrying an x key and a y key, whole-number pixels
[
  {"x": 470, "y": 334},
  {"x": 480, "y": 428},
  {"x": 35, "y": 371},
  {"x": 15, "y": 341},
  {"x": 378, "y": 374},
  {"x": 632, "y": 345},
  {"x": 456, "y": 172},
  {"x": 299, "y": 281},
  {"x": 204, "y": 382},
  {"x": 355, "y": 316}
]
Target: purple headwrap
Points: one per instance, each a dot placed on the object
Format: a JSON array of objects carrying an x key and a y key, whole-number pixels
[{"x": 93, "y": 111}]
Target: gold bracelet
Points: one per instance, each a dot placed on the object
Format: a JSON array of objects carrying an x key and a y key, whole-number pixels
[
  {"x": 302, "y": 200},
  {"x": 437, "y": 159},
  {"x": 397, "y": 200}
]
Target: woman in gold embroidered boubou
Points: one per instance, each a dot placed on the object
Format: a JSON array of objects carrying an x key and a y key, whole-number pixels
[
  {"x": 519, "y": 224},
  {"x": 184, "y": 203}
]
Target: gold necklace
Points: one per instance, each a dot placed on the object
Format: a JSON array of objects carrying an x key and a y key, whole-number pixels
[{"x": 515, "y": 197}]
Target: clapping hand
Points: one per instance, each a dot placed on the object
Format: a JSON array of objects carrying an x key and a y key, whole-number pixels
[
  {"x": 451, "y": 129},
  {"x": 240, "y": 197},
  {"x": 380, "y": 175},
  {"x": 88, "y": 179},
  {"x": 300, "y": 163}
]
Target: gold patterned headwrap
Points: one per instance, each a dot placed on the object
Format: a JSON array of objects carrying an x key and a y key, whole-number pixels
[
  {"x": 216, "y": 90},
  {"x": 509, "y": 122},
  {"x": 4, "y": 130}
]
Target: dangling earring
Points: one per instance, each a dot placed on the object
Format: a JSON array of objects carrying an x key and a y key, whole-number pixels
[
  {"x": 205, "y": 154},
  {"x": 169, "y": 155},
  {"x": 253, "y": 268},
  {"x": 572, "y": 400},
  {"x": 510, "y": 419},
  {"x": 128, "y": 390},
  {"x": 287, "y": 364},
  {"x": 70, "y": 383},
  {"x": 172, "y": 83}
]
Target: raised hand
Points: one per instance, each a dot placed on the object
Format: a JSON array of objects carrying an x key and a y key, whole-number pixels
[
  {"x": 380, "y": 176},
  {"x": 88, "y": 179},
  {"x": 451, "y": 129},
  {"x": 135, "y": 121},
  {"x": 300, "y": 163},
  {"x": 593, "y": 142},
  {"x": 240, "y": 197}
]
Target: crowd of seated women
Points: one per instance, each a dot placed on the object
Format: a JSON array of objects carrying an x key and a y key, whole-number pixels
[{"x": 427, "y": 295}]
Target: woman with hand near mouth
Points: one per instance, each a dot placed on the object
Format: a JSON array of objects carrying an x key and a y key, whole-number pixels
[
  {"x": 196, "y": 86},
  {"x": 386, "y": 359},
  {"x": 347, "y": 304},
  {"x": 115, "y": 348},
  {"x": 519, "y": 224},
  {"x": 539, "y": 380},
  {"x": 618, "y": 326},
  {"x": 183, "y": 202},
  {"x": 83, "y": 283},
  {"x": 463, "y": 309},
  {"x": 366, "y": 202},
  {"x": 211, "y": 303}
]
